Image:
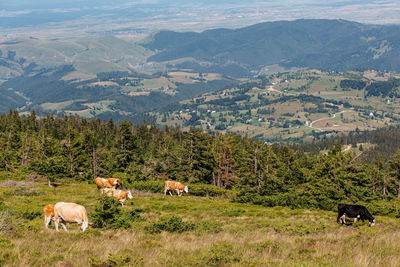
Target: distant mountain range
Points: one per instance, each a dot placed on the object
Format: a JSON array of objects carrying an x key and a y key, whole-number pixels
[
  {"x": 337, "y": 45},
  {"x": 323, "y": 44}
]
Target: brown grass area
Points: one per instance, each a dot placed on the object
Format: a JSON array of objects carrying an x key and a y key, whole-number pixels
[
  {"x": 138, "y": 93},
  {"x": 345, "y": 246},
  {"x": 104, "y": 83},
  {"x": 79, "y": 76}
]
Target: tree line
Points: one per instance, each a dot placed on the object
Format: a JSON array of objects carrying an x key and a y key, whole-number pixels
[{"x": 79, "y": 149}]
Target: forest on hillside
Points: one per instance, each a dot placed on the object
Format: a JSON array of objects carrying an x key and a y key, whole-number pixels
[{"x": 77, "y": 149}]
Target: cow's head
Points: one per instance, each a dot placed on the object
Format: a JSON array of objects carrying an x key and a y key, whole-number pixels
[
  {"x": 372, "y": 223},
  {"x": 186, "y": 189},
  {"x": 129, "y": 194}
]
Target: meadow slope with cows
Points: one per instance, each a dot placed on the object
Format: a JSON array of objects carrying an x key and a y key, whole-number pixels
[
  {"x": 186, "y": 231},
  {"x": 239, "y": 201}
]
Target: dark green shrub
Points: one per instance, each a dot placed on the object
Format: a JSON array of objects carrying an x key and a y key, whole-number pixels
[
  {"x": 170, "y": 224},
  {"x": 149, "y": 186},
  {"x": 109, "y": 214},
  {"x": 207, "y": 190},
  {"x": 30, "y": 215},
  {"x": 194, "y": 189},
  {"x": 221, "y": 254},
  {"x": 381, "y": 207},
  {"x": 122, "y": 258},
  {"x": 291, "y": 200}
]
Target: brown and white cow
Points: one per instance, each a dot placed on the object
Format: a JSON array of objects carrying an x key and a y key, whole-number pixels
[
  {"x": 48, "y": 214},
  {"x": 102, "y": 183},
  {"x": 107, "y": 183},
  {"x": 70, "y": 213},
  {"x": 115, "y": 182},
  {"x": 175, "y": 186},
  {"x": 120, "y": 195}
]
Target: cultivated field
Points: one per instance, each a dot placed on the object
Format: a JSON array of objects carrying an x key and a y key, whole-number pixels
[{"x": 220, "y": 233}]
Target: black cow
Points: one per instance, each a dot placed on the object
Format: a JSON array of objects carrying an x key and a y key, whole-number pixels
[{"x": 354, "y": 211}]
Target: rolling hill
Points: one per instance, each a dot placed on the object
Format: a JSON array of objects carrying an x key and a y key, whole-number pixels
[
  {"x": 88, "y": 55},
  {"x": 323, "y": 44}
]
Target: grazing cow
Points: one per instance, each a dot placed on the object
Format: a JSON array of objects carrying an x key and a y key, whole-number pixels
[
  {"x": 354, "y": 211},
  {"x": 175, "y": 186},
  {"x": 118, "y": 194},
  {"x": 107, "y": 183},
  {"x": 70, "y": 213},
  {"x": 102, "y": 183},
  {"x": 115, "y": 182},
  {"x": 48, "y": 214}
]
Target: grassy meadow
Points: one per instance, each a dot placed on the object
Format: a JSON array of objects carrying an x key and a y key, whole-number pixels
[{"x": 220, "y": 233}]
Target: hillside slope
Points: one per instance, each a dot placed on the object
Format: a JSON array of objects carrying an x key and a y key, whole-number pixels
[
  {"x": 323, "y": 44},
  {"x": 88, "y": 55}
]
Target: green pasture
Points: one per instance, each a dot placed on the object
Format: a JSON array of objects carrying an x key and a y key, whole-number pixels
[{"x": 186, "y": 231}]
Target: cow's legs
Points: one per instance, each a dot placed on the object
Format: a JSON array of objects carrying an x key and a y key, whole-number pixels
[
  {"x": 56, "y": 222},
  {"x": 343, "y": 218},
  {"x": 63, "y": 226},
  {"x": 166, "y": 190},
  {"x": 355, "y": 220},
  {"x": 178, "y": 192},
  {"x": 170, "y": 192},
  {"x": 339, "y": 218},
  {"x": 84, "y": 226},
  {"x": 47, "y": 221}
]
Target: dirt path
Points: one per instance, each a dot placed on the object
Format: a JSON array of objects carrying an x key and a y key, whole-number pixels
[
  {"x": 272, "y": 89},
  {"x": 326, "y": 118},
  {"x": 347, "y": 148}
]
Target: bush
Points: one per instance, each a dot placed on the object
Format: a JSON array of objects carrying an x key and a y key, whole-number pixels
[
  {"x": 384, "y": 208},
  {"x": 170, "y": 224},
  {"x": 207, "y": 190},
  {"x": 30, "y": 215},
  {"x": 122, "y": 258},
  {"x": 221, "y": 254},
  {"x": 291, "y": 200},
  {"x": 109, "y": 214},
  {"x": 149, "y": 186},
  {"x": 194, "y": 189}
]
